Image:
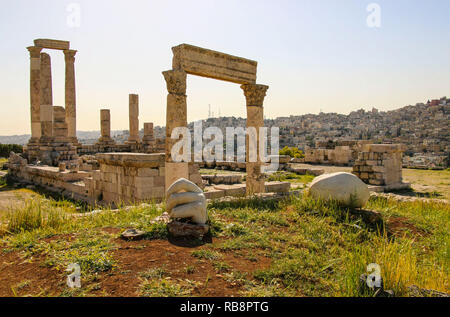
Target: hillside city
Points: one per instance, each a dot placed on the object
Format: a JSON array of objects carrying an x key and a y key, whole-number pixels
[{"x": 424, "y": 128}]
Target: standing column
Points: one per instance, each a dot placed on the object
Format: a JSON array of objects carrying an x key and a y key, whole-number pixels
[
  {"x": 46, "y": 99},
  {"x": 254, "y": 95},
  {"x": 134, "y": 118},
  {"x": 176, "y": 116},
  {"x": 70, "y": 95},
  {"x": 46, "y": 80},
  {"x": 148, "y": 131},
  {"x": 148, "y": 141},
  {"x": 35, "y": 92},
  {"x": 105, "y": 126}
]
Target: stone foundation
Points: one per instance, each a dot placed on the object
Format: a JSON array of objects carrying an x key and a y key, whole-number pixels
[{"x": 128, "y": 178}]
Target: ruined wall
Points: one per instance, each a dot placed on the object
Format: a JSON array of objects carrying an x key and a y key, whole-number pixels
[{"x": 380, "y": 164}]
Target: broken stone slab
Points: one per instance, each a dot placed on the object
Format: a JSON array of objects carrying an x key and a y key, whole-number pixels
[
  {"x": 132, "y": 234},
  {"x": 184, "y": 229}
]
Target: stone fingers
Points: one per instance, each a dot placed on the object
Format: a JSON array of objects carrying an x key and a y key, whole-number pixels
[
  {"x": 194, "y": 210},
  {"x": 183, "y": 198},
  {"x": 183, "y": 184}
]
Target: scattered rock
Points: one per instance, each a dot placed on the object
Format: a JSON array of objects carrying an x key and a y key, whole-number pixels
[
  {"x": 415, "y": 291},
  {"x": 164, "y": 218},
  {"x": 17, "y": 159},
  {"x": 342, "y": 187},
  {"x": 132, "y": 234},
  {"x": 370, "y": 217}
]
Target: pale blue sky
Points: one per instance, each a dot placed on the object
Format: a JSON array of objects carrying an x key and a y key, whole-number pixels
[{"x": 314, "y": 54}]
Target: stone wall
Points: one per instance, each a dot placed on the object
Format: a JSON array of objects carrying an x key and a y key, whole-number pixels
[
  {"x": 67, "y": 183},
  {"x": 380, "y": 165},
  {"x": 128, "y": 178}
]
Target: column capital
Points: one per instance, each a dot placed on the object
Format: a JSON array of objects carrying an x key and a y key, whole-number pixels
[
  {"x": 35, "y": 52},
  {"x": 69, "y": 55},
  {"x": 176, "y": 81},
  {"x": 254, "y": 94}
]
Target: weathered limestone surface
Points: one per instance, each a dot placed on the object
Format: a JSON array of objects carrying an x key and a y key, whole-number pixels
[
  {"x": 46, "y": 80},
  {"x": 189, "y": 59},
  {"x": 35, "y": 92},
  {"x": 208, "y": 63},
  {"x": 105, "y": 127},
  {"x": 46, "y": 115},
  {"x": 148, "y": 140},
  {"x": 54, "y": 179},
  {"x": 344, "y": 188},
  {"x": 176, "y": 116},
  {"x": 254, "y": 95},
  {"x": 174, "y": 171},
  {"x": 52, "y": 44},
  {"x": 134, "y": 118},
  {"x": 70, "y": 94},
  {"x": 128, "y": 177},
  {"x": 59, "y": 124},
  {"x": 381, "y": 165}
]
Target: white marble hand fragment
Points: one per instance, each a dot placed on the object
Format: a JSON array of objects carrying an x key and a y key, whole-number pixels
[{"x": 184, "y": 199}]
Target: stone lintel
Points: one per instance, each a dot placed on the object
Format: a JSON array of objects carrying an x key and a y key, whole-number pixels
[
  {"x": 212, "y": 64},
  {"x": 52, "y": 44}
]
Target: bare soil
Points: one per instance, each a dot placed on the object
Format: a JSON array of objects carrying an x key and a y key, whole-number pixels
[{"x": 32, "y": 277}]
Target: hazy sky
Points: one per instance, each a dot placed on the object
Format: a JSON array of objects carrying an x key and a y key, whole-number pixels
[{"x": 314, "y": 54}]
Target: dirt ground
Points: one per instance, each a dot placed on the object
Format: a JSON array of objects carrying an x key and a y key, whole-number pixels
[{"x": 19, "y": 277}]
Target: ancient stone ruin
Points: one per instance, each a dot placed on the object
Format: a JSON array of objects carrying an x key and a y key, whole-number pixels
[
  {"x": 110, "y": 173},
  {"x": 53, "y": 129},
  {"x": 188, "y": 59},
  {"x": 380, "y": 165}
]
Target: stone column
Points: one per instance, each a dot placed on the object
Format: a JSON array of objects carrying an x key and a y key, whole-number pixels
[
  {"x": 46, "y": 99},
  {"x": 176, "y": 116},
  {"x": 148, "y": 141},
  {"x": 46, "y": 115},
  {"x": 35, "y": 92},
  {"x": 254, "y": 95},
  {"x": 59, "y": 124},
  {"x": 134, "y": 118},
  {"x": 70, "y": 95},
  {"x": 105, "y": 126},
  {"x": 148, "y": 131},
  {"x": 46, "y": 80}
]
